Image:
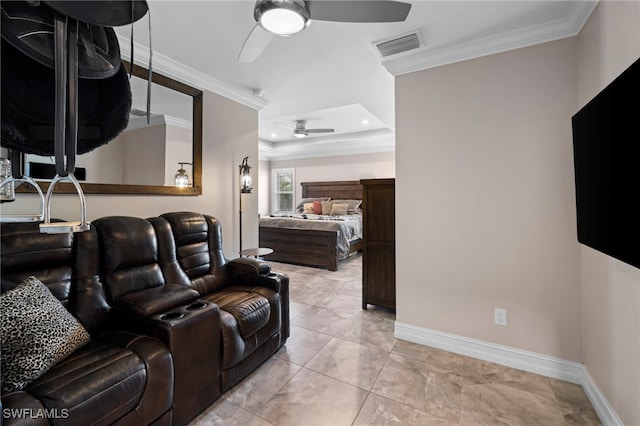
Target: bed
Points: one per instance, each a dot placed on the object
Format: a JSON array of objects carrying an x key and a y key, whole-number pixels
[{"x": 315, "y": 240}]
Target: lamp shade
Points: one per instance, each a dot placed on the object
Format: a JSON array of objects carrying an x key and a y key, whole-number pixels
[
  {"x": 245, "y": 177},
  {"x": 182, "y": 177}
]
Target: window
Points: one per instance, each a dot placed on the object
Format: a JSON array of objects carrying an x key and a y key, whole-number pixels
[{"x": 282, "y": 190}]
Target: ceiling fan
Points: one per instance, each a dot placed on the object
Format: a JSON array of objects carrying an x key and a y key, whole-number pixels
[
  {"x": 301, "y": 131},
  {"x": 289, "y": 17}
]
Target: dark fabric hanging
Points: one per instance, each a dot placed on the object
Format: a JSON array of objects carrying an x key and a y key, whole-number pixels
[{"x": 28, "y": 73}]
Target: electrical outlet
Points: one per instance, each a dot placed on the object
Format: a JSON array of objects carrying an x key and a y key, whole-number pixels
[{"x": 500, "y": 316}]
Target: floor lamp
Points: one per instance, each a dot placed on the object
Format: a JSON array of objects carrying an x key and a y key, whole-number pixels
[{"x": 245, "y": 188}]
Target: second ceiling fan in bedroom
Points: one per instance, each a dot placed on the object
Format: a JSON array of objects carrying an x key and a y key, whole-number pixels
[
  {"x": 301, "y": 131},
  {"x": 289, "y": 17}
]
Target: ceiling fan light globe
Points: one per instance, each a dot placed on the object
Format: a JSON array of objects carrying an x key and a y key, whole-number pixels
[
  {"x": 299, "y": 134},
  {"x": 282, "y": 18}
]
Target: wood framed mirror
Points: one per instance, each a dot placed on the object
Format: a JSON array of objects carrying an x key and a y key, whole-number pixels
[{"x": 145, "y": 157}]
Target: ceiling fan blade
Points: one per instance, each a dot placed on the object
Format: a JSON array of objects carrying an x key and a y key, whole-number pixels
[
  {"x": 287, "y": 127},
  {"x": 320, "y": 130},
  {"x": 255, "y": 43},
  {"x": 358, "y": 10}
]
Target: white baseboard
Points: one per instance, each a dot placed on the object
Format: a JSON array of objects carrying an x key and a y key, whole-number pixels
[
  {"x": 532, "y": 362},
  {"x": 605, "y": 411}
]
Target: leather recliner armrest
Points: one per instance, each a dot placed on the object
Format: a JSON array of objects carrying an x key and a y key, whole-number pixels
[
  {"x": 158, "y": 396},
  {"x": 276, "y": 281},
  {"x": 20, "y": 408},
  {"x": 247, "y": 271},
  {"x": 249, "y": 265},
  {"x": 152, "y": 301}
]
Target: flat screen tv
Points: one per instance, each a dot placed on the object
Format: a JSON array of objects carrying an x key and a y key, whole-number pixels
[{"x": 606, "y": 150}]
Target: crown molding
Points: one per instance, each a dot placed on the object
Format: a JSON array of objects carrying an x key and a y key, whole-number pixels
[
  {"x": 178, "y": 71},
  {"x": 555, "y": 30},
  {"x": 139, "y": 122},
  {"x": 345, "y": 144},
  {"x": 178, "y": 122}
]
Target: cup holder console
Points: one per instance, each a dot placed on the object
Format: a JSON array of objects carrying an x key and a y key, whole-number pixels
[
  {"x": 196, "y": 305},
  {"x": 191, "y": 332},
  {"x": 183, "y": 313},
  {"x": 171, "y": 315}
]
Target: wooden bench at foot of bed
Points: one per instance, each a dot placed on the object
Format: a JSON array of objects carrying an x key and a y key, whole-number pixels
[{"x": 309, "y": 247}]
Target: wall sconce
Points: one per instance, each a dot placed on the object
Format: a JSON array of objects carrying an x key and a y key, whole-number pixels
[
  {"x": 182, "y": 177},
  {"x": 245, "y": 177}
]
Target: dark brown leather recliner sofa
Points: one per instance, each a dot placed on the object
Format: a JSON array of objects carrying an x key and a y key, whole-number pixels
[{"x": 173, "y": 323}]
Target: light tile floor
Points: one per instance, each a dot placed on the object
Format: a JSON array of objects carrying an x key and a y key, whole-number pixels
[{"x": 342, "y": 366}]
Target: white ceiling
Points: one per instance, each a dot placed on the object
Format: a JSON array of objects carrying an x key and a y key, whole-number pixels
[{"x": 331, "y": 74}]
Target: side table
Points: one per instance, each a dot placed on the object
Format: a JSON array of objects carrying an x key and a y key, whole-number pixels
[{"x": 256, "y": 252}]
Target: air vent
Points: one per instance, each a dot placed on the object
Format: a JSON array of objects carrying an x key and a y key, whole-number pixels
[{"x": 398, "y": 45}]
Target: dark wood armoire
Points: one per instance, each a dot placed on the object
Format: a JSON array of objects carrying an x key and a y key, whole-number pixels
[{"x": 379, "y": 249}]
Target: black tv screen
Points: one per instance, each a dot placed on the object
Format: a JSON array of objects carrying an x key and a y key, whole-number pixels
[
  {"x": 48, "y": 171},
  {"x": 606, "y": 149}
]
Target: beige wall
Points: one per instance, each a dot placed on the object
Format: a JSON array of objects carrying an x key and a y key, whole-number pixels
[
  {"x": 178, "y": 149},
  {"x": 162, "y": 147},
  {"x": 144, "y": 155},
  {"x": 265, "y": 185},
  {"x": 230, "y": 133},
  {"x": 485, "y": 199},
  {"x": 607, "y": 45},
  {"x": 345, "y": 167}
]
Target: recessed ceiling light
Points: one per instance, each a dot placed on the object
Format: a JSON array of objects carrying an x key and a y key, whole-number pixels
[
  {"x": 365, "y": 121},
  {"x": 274, "y": 135}
]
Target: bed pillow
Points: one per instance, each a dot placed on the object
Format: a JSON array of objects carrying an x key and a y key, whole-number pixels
[
  {"x": 317, "y": 207},
  {"x": 300, "y": 206},
  {"x": 37, "y": 333},
  {"x": 354, "y": 205},
  {"x": 308, "y": 208},
  {"x": 326, "y": 207},
  {"x": 339, "y": 209}
]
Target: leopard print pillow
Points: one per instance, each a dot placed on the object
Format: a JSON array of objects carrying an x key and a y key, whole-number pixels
[{"x": 37, "y": 333}]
